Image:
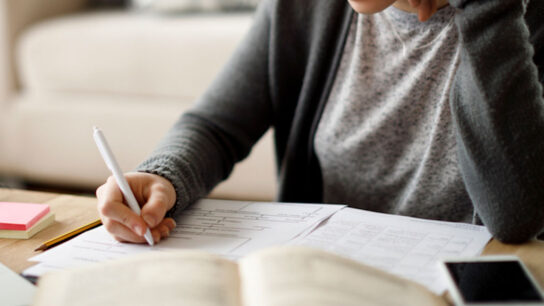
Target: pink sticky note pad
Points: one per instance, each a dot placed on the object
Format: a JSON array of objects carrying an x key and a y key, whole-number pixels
[{"x": 20, "y": 216}]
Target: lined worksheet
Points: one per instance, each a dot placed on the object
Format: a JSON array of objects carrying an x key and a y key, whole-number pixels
[
  {"x": 405, "y": 246},
  {"x": 236, "y": 228},
  {"x": 229, "y": 228}
]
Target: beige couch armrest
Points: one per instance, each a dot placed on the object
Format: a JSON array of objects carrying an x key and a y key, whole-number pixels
[{"x": 15, "y": 16}]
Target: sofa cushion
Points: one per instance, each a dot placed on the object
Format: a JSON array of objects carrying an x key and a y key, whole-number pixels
[
  {"x": 129, "y": 53},
  {"x": 180, "y": 6},
  {"x": 48, "y": 139}
]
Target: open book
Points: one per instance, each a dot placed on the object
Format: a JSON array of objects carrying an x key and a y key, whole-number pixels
[{"x": 292, "y": 275}]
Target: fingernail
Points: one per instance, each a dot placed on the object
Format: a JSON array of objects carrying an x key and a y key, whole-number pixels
[
  {"x": 156, "y": 238},
  {"x": 149, "y": 220},
  {"x": 139, "y": 230}
]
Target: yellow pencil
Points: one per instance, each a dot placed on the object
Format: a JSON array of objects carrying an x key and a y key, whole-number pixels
[{"x": 68, "y": 235}]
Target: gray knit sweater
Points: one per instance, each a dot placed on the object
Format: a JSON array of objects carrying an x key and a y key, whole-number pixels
[
  {"x": 282, "y": 75},
  {"x": 385, "y": 141}
]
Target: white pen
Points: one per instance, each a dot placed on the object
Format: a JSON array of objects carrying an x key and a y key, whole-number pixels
[{"x": 111, "y": 163}]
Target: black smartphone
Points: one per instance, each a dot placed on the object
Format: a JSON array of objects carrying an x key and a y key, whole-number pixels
[{"x": 491, "y": 280}]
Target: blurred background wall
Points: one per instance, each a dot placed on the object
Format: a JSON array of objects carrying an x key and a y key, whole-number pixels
[{"x": 130, "y": 67}]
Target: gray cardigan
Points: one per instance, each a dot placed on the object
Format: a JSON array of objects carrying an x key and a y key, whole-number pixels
[{"x": 281, "y": 76}]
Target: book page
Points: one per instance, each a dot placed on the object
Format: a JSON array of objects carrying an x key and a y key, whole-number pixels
[
  {"x": 304, "y": 276},
  {"x": 177, "y": 278}
]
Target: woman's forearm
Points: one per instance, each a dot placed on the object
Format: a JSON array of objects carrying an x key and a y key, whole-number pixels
[{"x": 498, "y": 110}]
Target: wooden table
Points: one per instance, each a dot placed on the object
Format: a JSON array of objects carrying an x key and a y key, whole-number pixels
[
  {"x": 70, "y": 213},
  {"x": 531, "y": 253},
  {"x": 74, "y": 211}
]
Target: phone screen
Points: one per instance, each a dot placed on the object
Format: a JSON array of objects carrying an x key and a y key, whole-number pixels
[{"x": 494, "y": 281}]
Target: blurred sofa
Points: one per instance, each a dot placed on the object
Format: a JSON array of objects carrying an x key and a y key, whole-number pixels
[{"x": 65, "y": 67}]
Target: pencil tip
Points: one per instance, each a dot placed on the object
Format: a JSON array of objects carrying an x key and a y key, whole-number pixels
[{"x": 41, "y": 248}]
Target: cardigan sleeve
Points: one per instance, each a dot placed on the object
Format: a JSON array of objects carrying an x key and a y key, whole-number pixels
[
  {"x": 498, "y": 110},
  {"x": 202, "y": 147}
]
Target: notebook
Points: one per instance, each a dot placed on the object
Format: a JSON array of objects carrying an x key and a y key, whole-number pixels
[{"x": 15, "y": 290}]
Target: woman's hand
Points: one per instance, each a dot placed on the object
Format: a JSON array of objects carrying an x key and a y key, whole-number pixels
[
  {"x": 426, "y": 8},
  {"x": 156, "y": 196}
]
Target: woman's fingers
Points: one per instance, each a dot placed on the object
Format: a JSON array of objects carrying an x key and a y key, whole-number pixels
[
  {"x": 110, "y": 206},
  {"x": 424, "y": 10},
  {"x": 124, "y": 234},
  {"x": 163, "y": 230},
  {"x": 155, "y": 194},
  {"x": 120, "y": 232},
  {"x": 158, "y": 202},
  {"x": 414, "y": 3},
  {"x": 109, "y": 191},
  {"x": 434, "y": 7},
  {"x": 119, "y": 212}
]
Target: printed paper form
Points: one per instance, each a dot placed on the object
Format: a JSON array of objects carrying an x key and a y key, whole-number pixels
[
  {"x": 405, "y": 246},
  {"x": 229, "y": 228},
  {"x": 241, "y": 227}
]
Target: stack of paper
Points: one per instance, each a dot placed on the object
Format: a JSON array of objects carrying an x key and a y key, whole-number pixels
[
  {"x": 23, "y": 220},
  {"x": 408, "y": 247}
]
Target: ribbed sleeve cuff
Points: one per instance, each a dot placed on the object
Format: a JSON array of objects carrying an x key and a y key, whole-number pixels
[{"x": 186, "y": 192}]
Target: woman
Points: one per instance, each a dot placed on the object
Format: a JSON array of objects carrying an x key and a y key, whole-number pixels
[{"x": 441, "y": 119}]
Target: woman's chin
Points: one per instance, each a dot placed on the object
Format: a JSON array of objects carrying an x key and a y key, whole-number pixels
[{"x": 370, "y": 6}]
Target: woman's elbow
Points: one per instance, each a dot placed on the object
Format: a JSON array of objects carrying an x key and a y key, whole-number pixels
[{"x": 516, "y": 233}]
